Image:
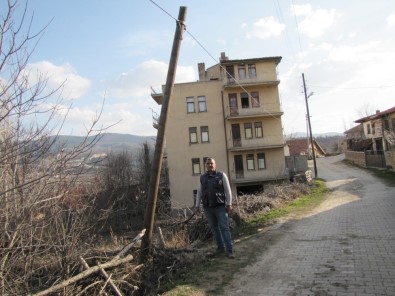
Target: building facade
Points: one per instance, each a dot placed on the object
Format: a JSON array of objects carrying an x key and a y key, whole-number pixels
[{"x": 232, "y": 113}]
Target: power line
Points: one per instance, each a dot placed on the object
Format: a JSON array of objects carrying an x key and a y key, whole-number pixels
[
  {"x": 165, "y": 11},
  {"x": 356, "y": 87},
  {"x": 211, "y": 55}
]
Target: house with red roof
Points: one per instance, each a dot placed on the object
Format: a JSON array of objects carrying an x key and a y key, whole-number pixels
[
  {"x": 375, "y": 137},
  {"x": 302, "y": 146}
]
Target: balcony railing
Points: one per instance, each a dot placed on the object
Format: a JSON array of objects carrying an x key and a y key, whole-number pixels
[
  {"x": 265, "y": 142},
  {"x": 262, "y": 110},
  {"x": 248, "y": 176},
  {"x": 235, "y": 82}
]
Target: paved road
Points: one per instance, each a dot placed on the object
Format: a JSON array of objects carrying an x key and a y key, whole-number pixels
[{"x": 345, "y": 247}]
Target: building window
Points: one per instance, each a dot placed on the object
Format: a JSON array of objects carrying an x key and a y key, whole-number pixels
[
  {"x": 393, "y": 124},
  {"x": 250, "y": 162},
  {"x": 373, "y": 128},
  {"x": 202, "y": 104},
  {"x": 244, "y": 100},
  {"x": 248, "y": 130},
  {"x": 195, "y": 166},
  {"x": 255, "y": 99},
  {"x": 386, "y": 124},
  {"x": 251, "y": 71},
  {"x": 204, "y": 134},
  {"x": 190, "y": 105},
  {"x": 193, "y": 135},
  {"x": 242, "y": 72},
  {"x": 368, "y": 129},
  {"x": 261, "y": 161},
  {"x": 258, "y": 129}
]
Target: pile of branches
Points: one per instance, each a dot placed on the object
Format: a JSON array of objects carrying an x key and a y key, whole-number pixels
[{"x": 274, "y": 196}]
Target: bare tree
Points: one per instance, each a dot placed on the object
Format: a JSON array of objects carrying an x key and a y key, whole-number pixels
[{"x": 44, "y": 209}]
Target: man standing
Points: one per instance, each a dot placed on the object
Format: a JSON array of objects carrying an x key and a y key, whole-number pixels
[{"x": 215, "y": 194}]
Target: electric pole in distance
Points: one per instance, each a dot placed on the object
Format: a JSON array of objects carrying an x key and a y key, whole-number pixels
[{"x": 308, "y": 120}]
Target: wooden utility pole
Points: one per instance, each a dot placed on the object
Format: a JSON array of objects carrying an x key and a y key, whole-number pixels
[
  {"x": 308, "y": 120},
  {"x": 152, "y": 197}
]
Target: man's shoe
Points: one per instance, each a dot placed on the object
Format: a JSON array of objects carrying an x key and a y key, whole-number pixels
[
  {"x": 218, "y": 252},
  {"x": 230, "y": 255}
]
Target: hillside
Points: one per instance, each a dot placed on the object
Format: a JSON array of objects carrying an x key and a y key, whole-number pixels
[{"x": 109, "y": 142}]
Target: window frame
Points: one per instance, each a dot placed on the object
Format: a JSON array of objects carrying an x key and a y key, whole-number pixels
[
  {"x": 248, "y": 133},
  {"x": 196, "y": 165},
  {"x": 251, "y": 71},
  {"x": 250, "y": 161},
  {"x": 241, "y": 71},
  {"x": 203, "y": 131},
  {"x": 190, "y": 102},
  {"x": 202, "y": 103},
  {"x": 368, "y": 129},
  {"x": 258, "y": 126},
  {"x": 193, "y": 131},
  {"x": 245, "y": 98},
  {"x": 255, "y": 103},
  {"x": 261, "y": 157}
]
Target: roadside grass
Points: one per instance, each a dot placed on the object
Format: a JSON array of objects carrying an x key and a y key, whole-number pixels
[
  {"x": 299, "y": 205},
  {"x": 198, "y": 279},
  {"x": 386, "y": 175}
]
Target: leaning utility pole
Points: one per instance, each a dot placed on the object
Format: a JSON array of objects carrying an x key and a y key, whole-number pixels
[
  {"x": 308, "y": 120},
  {"x": 152, "y": 197}
]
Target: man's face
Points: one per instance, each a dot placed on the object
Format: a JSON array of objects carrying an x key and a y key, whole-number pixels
[{"x": 210, "y": 165}]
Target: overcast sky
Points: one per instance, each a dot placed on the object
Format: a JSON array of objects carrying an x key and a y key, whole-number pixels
[{"x": 115, "y": 51}]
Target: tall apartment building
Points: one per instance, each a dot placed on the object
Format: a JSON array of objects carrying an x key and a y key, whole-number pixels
[{"x": 232, "y": 113}]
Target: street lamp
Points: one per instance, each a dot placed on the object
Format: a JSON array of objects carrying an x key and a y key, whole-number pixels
[{"x": 308, "y": 120}]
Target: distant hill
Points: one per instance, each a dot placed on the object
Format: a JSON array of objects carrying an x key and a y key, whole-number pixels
[
  {"x": 109, "y": 142},
  {"x": 318, "y": 135}
]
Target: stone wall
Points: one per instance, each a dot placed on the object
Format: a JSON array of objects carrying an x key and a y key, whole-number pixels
[
  {"x": 390, "y": 159},
  {"x": 356, "y": 157}
]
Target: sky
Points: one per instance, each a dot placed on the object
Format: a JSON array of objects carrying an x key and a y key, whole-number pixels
[{"x": 110, "y": 54}]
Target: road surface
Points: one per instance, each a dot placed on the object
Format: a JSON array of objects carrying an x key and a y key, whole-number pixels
[{"x": 344, "y": 247}]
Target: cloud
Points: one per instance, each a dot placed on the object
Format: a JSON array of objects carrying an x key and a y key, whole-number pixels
[
  {"x": 315, "y": 22},
  {"x": 391, "y": 20},
  {"x": 72, "y": 85},
  {"x": 265, "y": 28},
  {"x": 137, "y": 81},
  {"x": 119, "y": 118}
]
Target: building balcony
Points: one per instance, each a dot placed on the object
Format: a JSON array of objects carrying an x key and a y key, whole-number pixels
[
  {"x": 235, "y": 83},
  {"x": 268, "y": 142},
  {"x": 155, "y": 119},
  {"x": 158, "y": 97},
  {"x": 261, "y": 111},
  {"x": 257, "y": 176}
]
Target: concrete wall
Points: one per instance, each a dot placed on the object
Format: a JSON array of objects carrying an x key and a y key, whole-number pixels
[{"x": 179, "y": 149}]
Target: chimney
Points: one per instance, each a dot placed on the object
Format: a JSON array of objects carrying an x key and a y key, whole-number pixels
[
  {"x": 223, "y": 57},
  {"x": 202, "y": 71},
  {"x": 377, "y": 111}
]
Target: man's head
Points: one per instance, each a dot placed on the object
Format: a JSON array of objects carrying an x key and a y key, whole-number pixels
[{"x": 210, "y": 165}]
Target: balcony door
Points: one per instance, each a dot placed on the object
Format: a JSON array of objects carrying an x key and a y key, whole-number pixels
[
  {"x": 239, "y": 166},
  {"x": 236, "y": 136},
  {"x": 233, "y": 104},
  {"x": 230, "y": 74}
]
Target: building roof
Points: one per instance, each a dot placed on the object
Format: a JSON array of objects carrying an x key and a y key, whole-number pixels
[
  {"x": 356, "y": 129},
  {"x": 377, "y": 115},
  {"x": 299, "y": 146},
  {"x": 276, "y": 59}
]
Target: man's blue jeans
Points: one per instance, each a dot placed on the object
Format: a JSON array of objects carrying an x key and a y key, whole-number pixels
[{"x": 218, "y": 221}]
